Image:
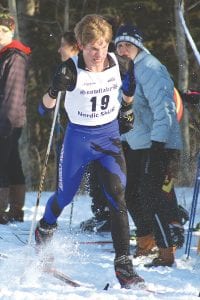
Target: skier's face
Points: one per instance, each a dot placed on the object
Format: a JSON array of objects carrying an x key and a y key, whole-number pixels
[
  {"x": 95, "y": 54},
  {"x": 127, "y": 49}
]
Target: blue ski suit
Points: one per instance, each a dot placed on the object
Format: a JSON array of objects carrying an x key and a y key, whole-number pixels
[{"x": 93, "y": 136}]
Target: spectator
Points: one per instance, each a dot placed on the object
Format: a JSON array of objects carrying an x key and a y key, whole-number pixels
[
  {"x": 68, "y": 45},
  {"x": 150, "y": 148},
  {"x": 13, "y": 82}
]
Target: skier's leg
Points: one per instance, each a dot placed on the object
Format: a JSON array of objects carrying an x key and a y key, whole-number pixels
[
  {"x": 112, "y": 170},
  {"x": 99, "y": 201},
  {"x": 113, "y": 174},
  {"x": 73, "y": 159}
]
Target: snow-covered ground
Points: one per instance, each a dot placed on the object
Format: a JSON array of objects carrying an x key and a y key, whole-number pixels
[{"x": 90, "y": 264}]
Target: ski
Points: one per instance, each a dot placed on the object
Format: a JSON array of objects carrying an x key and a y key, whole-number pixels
[
  {"x": 107, "y": 240},
  {"x": 103, "y": 245},
  {"x": 140, "y": 288},
  {"x": 69, "y": 281},
  {"x": 61, "y": 276},
  {"x": 49, "y": 269},
  {"x": 95, "y": 242}
]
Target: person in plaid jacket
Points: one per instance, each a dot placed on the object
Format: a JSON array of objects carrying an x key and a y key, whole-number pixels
[{"x": 14, "y": 57}]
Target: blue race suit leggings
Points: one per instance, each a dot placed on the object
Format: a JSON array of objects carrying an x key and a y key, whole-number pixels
[{"x": 83, "y": 144}]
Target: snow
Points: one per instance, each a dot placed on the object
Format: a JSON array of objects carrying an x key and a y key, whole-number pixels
[{"x": 89, "y": 264}]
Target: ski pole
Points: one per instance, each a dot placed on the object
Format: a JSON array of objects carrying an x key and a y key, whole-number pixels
[
  {"x": 71, "y": 215},
  {"x": 193, "y": 210},
  {"x": 59, "y": 133},
  {"x": 58, "y": 145},
  {"x": 192, "y": 216},
  {"x": 43, "y": 174}
]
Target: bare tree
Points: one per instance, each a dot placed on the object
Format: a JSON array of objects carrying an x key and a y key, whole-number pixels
[
  {"x": 29, "y": 152},
  {"x": 183, "y": 85}
]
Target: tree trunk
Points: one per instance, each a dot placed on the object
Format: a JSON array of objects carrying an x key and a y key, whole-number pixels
[
  {"x": 29, "y": 152},
  {"x": 183, "y": 86}
]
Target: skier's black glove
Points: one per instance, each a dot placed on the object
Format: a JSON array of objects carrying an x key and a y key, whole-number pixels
[
  {"x": 128, "y": 81},
  {"x": 126, "y": 117},
  {"x": 61, "y": 82}
]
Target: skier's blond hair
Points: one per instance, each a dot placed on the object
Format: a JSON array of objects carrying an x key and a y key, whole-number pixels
[{"x": 91, "y": 28}]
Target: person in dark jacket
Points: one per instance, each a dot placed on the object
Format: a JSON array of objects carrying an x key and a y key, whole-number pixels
[{"x": 13, "y": 78}]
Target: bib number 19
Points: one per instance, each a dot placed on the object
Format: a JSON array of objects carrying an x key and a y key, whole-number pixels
[{"x": 104, "y": 102}]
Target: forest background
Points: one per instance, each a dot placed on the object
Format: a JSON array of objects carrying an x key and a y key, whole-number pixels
[{"x": 40, "y": 24}]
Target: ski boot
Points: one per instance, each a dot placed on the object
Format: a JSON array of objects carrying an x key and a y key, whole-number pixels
[
  {"x": 44, "y": 232},
  {"x": 145, "y": 246},
  {"x": 94, "y": 225},
  {"x": 125, "y": 273},
  {"x": 43, "y": 236},
  {"x": 164, "y": 259},
  {"x": 17, "y": 216},
  {"x": 4, "y": 218},
  {"x": 16, "y": 200}
]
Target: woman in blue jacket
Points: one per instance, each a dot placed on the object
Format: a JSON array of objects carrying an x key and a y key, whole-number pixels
[{"x": 151, "y": 145}]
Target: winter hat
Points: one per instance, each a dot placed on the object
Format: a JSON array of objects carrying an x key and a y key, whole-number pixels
[
  {"x": 7, "y": 20},
  {"x": 129, "y": 33}
]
